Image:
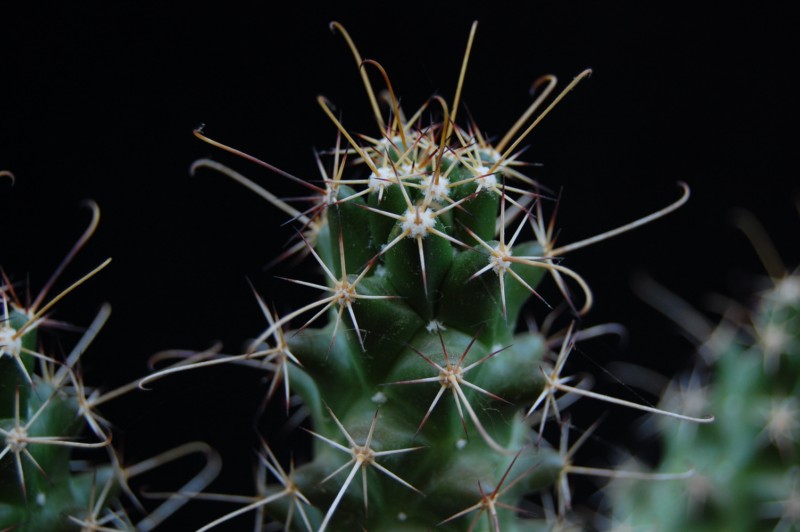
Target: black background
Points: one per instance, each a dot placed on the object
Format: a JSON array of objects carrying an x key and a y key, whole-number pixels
[{"x": 99, "y": 101}]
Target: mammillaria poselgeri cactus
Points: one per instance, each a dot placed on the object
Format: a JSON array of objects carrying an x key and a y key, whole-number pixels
[{"x": 422, "y": 387}]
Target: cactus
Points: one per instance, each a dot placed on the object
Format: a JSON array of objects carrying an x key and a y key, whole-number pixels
[
  {"x": 428, "y": 402},
  {"x": 748, "y": 372},
  {"x": 51, "y": 477}
]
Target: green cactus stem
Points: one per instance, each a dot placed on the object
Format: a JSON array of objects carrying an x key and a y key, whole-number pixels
[{"x": 419, "y": 384}]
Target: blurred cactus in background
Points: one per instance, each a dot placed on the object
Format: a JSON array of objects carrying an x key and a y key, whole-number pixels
[{"x": 748, "y": 373}]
